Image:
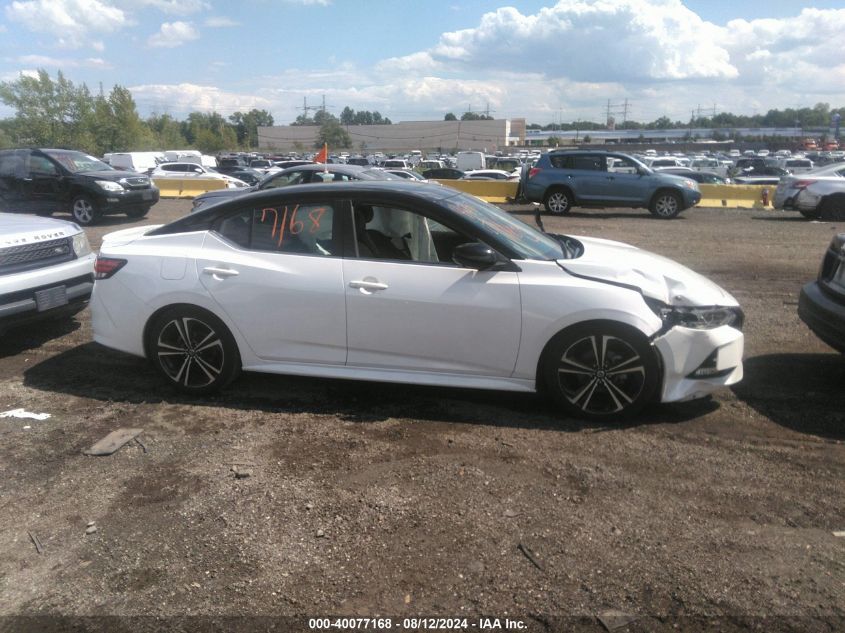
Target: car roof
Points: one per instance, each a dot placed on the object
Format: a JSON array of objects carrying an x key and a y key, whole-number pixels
[{"x": 380, "y": 188}]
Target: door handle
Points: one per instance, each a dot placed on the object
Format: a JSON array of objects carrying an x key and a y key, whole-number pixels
[
  {"x": 220, "y": 273},
  {"x": 368, "y": 285}
]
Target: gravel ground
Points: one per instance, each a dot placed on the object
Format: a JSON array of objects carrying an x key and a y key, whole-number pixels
[{"x": 367, "y": 499}]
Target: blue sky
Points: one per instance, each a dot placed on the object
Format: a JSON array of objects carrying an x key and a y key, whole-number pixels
[{"x": 545, "y": 61}]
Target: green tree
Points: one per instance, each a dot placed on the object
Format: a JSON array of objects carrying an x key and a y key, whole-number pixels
[
  {"x": 333, "y": 134},
  {"x": 246, "y": 126},
  {"x": 450, "y": 116}
]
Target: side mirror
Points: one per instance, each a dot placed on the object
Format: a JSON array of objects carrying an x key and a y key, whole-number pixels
[{"x": 475, "y": 255}]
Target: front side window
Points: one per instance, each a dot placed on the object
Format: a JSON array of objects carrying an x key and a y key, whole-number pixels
[
  {"x": 40, "y": 166},
  {"x": 302, "y": 229},
  {"x": 394, "y": 233}
]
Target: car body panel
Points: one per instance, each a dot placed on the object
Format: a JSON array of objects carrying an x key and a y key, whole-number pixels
[{"x": 402, "y": 321}]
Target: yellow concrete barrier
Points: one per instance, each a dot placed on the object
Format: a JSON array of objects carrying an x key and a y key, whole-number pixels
[
  {"x": 187, "y": 187},
  {"x": 736, "y": 196},
  {"x": 490, "y": 190}
]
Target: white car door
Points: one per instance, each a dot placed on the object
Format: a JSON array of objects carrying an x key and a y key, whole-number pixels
[
  {"x": 410, "y": 308},
  {"x": 277, "y": 274}
]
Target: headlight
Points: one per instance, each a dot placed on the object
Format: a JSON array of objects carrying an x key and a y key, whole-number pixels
[
  {"x": 80, "y": 245},
  {"x": 108, "y": 185},
  {"x": 690, "y": 184},
  {"x": 697, "y": 318}
]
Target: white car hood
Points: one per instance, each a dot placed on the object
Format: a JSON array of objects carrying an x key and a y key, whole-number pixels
[
  {"x": 656, "y": 276},
  {"x": 16, "y": 230}
]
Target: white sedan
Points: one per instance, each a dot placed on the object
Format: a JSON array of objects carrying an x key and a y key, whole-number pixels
[
  {"x": 412, "y": 283},
  {"x": 194, "y": 170}
]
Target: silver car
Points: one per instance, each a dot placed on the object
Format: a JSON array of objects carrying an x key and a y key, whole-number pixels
[{"x": 817, "y": 194}]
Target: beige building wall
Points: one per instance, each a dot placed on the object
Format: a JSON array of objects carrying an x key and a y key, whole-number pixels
[{"x": 427, "y": 136}]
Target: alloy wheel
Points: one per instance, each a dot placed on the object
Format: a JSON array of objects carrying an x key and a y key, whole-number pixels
[
  {"x": 83, "y": 211},
  {"x": 190, "y": 352},
  {"x": 601, "y": 374},
  {"x": 666, "y": 206}
]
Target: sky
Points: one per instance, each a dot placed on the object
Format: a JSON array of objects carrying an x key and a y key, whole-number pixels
[{"x": 414, "y": 60}]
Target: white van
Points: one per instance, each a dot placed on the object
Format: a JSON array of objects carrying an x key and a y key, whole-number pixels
[
  {"x": 142, "y": 162},
  {"x": 796, "y": 165},
  {"x": 470, "y": 161}
]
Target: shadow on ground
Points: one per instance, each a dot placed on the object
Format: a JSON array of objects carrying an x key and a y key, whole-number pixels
[
  {"x": 93, "y": 371},
  {"x": 802, "y": 392}
]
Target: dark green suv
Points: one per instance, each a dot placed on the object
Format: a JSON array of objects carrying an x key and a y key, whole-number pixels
[
  {"x": 563, "y": 179},
  {"x": 47, "y": 181}
]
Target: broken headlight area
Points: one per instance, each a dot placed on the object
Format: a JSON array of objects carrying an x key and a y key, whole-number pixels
[{"x": 697, "y": 317}]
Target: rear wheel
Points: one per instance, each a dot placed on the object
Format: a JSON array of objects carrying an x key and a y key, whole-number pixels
[
  {"x": 809, "y": 214},
  {"x": 83, "y": 210},
  {"x": 558, "y": 202},
  {"x": 600, "y": 371},
  {"x": 832, "y": 208},
  {"x": 666, "y": 205},
  {"x": 193, "y": 350}
]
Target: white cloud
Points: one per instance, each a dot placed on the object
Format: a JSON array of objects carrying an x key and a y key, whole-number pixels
[
  {"x": 43, "y": 61},
  {"x": 218, "y": 22},
  {"x": 186, "y": 97},
  {"x": 70, "y": 21},
  {"x": 174, "y": 7},
  {"x": 172, "y": 34},
  {"x": 15, "y": 75}
]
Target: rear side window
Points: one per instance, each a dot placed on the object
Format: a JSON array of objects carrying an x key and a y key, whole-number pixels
[
  {"x": 302, "y": 229},
  {"x": 589, "y": 163},
  {"x": 11, "y": 164}
]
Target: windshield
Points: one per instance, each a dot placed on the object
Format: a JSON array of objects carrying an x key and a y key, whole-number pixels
[
  {"x": 521, "y": 238},
  {"x": 77, "y": 162}
]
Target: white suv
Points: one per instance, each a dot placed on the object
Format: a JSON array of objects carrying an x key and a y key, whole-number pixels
[{"x": 46, "y": 269}]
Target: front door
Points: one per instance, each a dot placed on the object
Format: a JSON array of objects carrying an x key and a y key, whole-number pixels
[{"x": 410, "y": 308}]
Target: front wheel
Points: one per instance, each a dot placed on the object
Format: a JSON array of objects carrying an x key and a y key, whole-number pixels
[
  {"x": 601, "y": 371},
  {"x": 83, "y": 210},
  {"x": 558, "y": 202},
  {"x": 193, "y": 350},
  {"x": 666, "y": 205}
]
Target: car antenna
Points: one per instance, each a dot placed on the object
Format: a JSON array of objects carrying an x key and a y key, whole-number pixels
[{"x": 537, "y": 219}]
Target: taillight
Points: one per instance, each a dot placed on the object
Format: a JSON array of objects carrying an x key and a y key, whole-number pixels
[
  {"x": 106, "y": 267},
  {"x": 802, "y": 184},
  {"x": 534, "y": 171}
]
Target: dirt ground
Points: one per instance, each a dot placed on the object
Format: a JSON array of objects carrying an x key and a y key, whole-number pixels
[{"x": 368, "y": 499}]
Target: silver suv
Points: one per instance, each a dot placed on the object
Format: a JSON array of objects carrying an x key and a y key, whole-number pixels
[
  {"x": 46, "y": 269},
  {"x": 562, "y": 179}
]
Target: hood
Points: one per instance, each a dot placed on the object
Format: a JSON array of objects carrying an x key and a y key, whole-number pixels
[
  {"x": 16, "y": 230},
  {"x": 111, "y": 174},
  {"x": 126, "y": 236},
  {"x": 655, "y": 276}
]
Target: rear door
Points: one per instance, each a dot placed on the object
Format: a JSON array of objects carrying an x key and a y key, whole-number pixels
[{"x": 276, "y": 272}]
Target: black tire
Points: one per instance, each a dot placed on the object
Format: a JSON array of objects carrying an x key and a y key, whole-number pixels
[
  {"x": 832, "y": 209},
  {"x": 558, "y": 201},
  {"x": 666, "y": 205},
  {"x": 138, "y": 212},
  {"x": 810, "y": 215},
  {"x": 84, "y": 210},
  {"x": 600, "y": 371},
  {"x": 192, "y": 349}
]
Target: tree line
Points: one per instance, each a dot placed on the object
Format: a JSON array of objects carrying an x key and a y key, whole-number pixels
[{"x": 59, "y": 113}]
